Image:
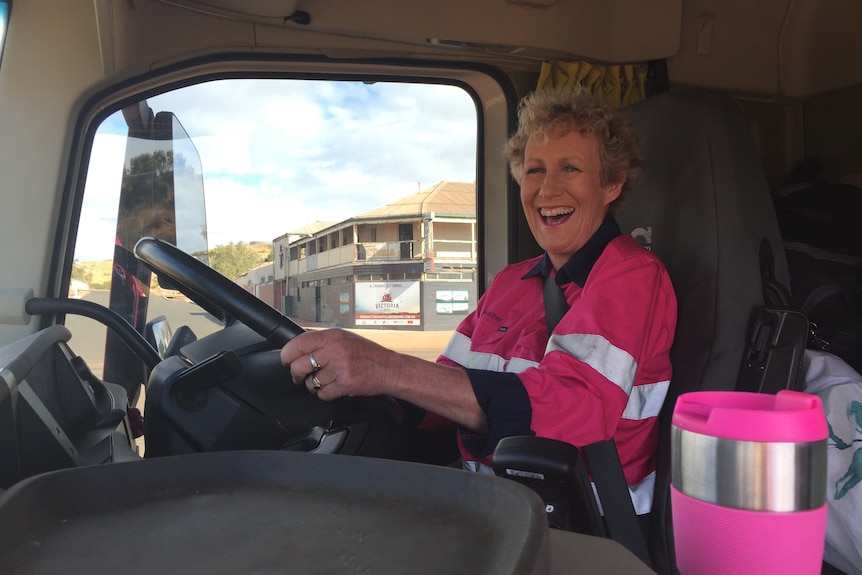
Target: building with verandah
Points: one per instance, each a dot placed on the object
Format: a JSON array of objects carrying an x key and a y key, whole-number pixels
[{"x": 409, "y": 264}]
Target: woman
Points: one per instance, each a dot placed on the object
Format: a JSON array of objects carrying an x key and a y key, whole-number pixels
[{"x": 605, "y": 369}]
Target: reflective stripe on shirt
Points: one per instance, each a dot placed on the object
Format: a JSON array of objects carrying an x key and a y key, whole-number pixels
[
  {"x": 616, "y": 365},
  {"x": 458, "y": 350},
  {"x": 645, "y": 400}
]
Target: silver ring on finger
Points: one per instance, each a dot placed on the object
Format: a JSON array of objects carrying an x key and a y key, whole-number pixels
[
  {"x": 314, "y": 365},
  {"x": 315, "y": 383}
]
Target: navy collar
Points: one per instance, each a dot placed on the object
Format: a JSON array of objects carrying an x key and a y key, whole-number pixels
[{"x": 582, "y": 261}]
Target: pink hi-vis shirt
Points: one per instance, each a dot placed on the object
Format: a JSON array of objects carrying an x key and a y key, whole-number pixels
[{"x": 603, "y": 373}]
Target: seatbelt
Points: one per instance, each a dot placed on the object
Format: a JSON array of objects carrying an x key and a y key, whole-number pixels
[
  {"x": 602, "y": 457},
  {"x": 556, "y": 305}
]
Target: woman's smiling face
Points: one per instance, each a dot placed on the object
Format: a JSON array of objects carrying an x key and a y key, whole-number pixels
[{"x": 562, "y": 192}]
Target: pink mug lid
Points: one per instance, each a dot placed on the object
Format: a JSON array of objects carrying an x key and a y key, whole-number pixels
[{"x": 788, "y": 416}]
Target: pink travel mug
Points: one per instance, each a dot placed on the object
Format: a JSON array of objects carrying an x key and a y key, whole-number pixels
[{"x": 748, "y": 483}]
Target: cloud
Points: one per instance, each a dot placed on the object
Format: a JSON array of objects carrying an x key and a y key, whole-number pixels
[{"x": 278, "y": 154}]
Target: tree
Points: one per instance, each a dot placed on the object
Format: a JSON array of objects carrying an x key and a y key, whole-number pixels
[
  {"x": 81, "y": 273},
  {"x": 147, "y": 199},
  {"x": 233, "y": 260}
]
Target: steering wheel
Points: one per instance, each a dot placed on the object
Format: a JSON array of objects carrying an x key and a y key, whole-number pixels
[{"x": 209, "y": 288}]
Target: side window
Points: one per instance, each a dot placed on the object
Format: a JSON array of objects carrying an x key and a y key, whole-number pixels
[{"x": 349, "y": 204}]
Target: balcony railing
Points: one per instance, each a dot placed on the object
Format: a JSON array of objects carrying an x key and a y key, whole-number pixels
[
  {"x": 454, "y": 250},
  {"x": 388, "y": 251},
  {"x": 412, "y": 249}
]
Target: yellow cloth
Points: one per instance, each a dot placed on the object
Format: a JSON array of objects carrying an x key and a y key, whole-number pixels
[{"x": 619, "y": 85}]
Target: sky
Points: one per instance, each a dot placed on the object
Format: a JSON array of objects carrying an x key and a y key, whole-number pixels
[{"x": 280, "y": 154}]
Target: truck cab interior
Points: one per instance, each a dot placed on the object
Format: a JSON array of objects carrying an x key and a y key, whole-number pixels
[{"x": 116, "y": 117}]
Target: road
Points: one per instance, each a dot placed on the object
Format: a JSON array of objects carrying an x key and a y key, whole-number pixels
[{"x": 88, "y": 336}]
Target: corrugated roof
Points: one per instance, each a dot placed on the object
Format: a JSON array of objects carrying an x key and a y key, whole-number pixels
[
  {"x": 305, "y": 231},
  {"x": 314, "y": 227},
  {"x": 444, "y": 198}
]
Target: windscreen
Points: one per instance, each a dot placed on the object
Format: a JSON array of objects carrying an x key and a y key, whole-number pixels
[{"x": 339, "y": 203}]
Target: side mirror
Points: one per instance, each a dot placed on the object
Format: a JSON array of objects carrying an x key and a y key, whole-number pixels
[{"x": 159, "y": 335}]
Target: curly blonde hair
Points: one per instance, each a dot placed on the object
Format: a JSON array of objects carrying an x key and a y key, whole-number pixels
[{"x": 619, "y": 149}]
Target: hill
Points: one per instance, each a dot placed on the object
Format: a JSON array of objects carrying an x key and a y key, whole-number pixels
[{"x": 97, "y": 274}]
